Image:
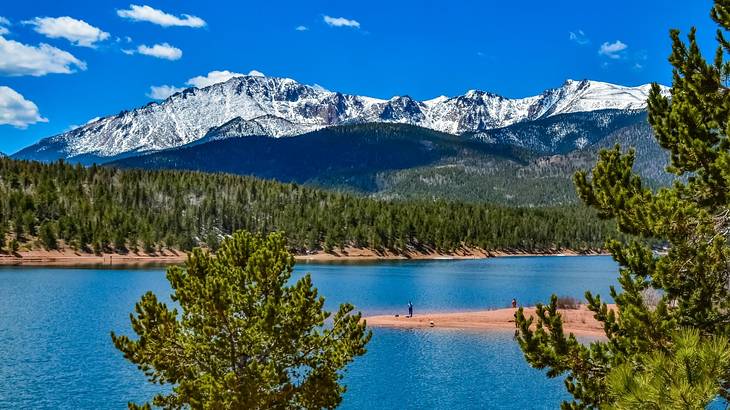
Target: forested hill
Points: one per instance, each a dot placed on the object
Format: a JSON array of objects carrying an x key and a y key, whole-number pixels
[
  {"x": 349, "y": 157},
  {"x": 106, "y": 209},
  {"x": 408, "y": 162}
]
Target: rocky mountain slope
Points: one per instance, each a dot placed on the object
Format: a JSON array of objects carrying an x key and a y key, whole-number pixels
[
  {"x": 398, "y": 161},
  {"x": 278, "y": 107}
]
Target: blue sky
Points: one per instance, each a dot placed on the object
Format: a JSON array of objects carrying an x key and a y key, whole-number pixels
[{"x": 102, "y": 57}]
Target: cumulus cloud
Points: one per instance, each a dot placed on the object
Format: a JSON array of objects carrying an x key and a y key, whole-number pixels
[
  {"x": 17, "y": 59},
  {"x": 579, "y": 37},
  {"x": 341, "y": 22},
  {"x": 155, "y": 16},
  {"x": 163, "y": 50},
  {"x": 163, "y": 91},
  {"x": 612, "y": 50},
  {"x": 78, "y": 32},
  {"x": 214, "y": 77},
  {"x": 15, "y": 110},
  {"x": 301, "y": 28}
]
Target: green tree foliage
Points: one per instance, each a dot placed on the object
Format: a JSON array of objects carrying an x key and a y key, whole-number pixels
[
  {"x": 47, "y": 235},
  {"x": 693, "y": 216},
  {"x": 104, "y": 209},
  {"x": 244, "y": 338},
  {"x": 688, "y": 376}
]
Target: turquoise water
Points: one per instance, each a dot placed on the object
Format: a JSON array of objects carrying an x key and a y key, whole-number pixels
[{"x": 55, "y": 350}]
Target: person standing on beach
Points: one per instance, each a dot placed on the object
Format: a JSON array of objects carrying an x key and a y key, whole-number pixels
[
  {"x": 514, "y": 303},
  {"x": 410, "y": 309}
]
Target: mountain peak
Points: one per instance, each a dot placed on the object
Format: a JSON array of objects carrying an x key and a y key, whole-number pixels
[{"x": 283, "y": 107}]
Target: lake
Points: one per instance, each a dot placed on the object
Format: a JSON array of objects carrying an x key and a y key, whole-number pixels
[{"x": 56, "y": 353}]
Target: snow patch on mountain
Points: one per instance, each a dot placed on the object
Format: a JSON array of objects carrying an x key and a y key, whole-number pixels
[{"x": 281, "y": 107}]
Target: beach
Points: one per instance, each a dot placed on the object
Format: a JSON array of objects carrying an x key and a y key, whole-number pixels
[
  {"x": 69, "y": 257},
  {"x": 578, "y": 321}
]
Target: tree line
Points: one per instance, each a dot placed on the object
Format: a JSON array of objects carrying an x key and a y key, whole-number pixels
[{"x": 103, "y": 209}]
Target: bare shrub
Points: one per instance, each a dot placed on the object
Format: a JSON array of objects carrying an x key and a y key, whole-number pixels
[
  {"x": 651, "y": 297},
  {"x": 568, "y": 302}
]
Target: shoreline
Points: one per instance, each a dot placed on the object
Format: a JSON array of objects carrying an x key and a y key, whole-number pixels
[
  {"x": 73, "y": 258},
  {"x": 366, "y": 254},
  {"x": 578, "y": 321}
]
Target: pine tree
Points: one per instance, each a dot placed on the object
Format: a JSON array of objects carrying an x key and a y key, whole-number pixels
[
  {"x": 47, "y": 235},
  {"x": 693, "y": 216},
  {"x": 686, "y": 377},
  {"x": 13, "y": 245},
  {"x": 245, "y": 338}
]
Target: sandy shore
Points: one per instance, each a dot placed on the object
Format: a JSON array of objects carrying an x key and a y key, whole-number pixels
[
  {"x": 72, "y": 258},
  {"x": 68, "y": 257},
  {"x": 578, "y": 321}
]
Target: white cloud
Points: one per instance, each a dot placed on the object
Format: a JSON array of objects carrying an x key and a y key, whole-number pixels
[
  {"x": 4, "y": 23},
  {"x": 579, "y": 37},
  {"x": 213, "y": 77},
  {"x": 341, "y": 22},
  {"x": 163, "y": 91},
  {"x": 15, "y": 110},
  {"x": 163, "y": 50},
  {"x": 78, "y": 32},
  {"x": 612, "y": 50},
  {"x": 155, "y": 16},
  {"x": 301, "y": 28},
  {"x": 18, "y": 59},
  {"x": 127, "y": 51}
]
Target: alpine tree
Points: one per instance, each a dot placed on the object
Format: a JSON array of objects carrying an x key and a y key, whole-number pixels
[
  {"x": 692, "y": 217},
  {"x": 244, "y": 337}
]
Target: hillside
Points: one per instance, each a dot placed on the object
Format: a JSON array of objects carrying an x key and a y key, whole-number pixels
[
  {"x": 398, "y": 161},
  {"x": 347, "y": 157},
  {"x": 105, "y": 209}
]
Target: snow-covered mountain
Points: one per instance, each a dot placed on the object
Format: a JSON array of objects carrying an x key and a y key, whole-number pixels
[{"x": 277, "y": 107}]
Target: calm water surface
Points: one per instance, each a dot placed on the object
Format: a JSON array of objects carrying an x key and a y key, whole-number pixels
[{"x": 56, "y": 353}]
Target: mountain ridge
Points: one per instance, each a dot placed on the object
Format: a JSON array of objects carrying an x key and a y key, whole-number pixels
[
  {"x": 402, "y": 161},
  {"x": 281, "y": 107}
]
